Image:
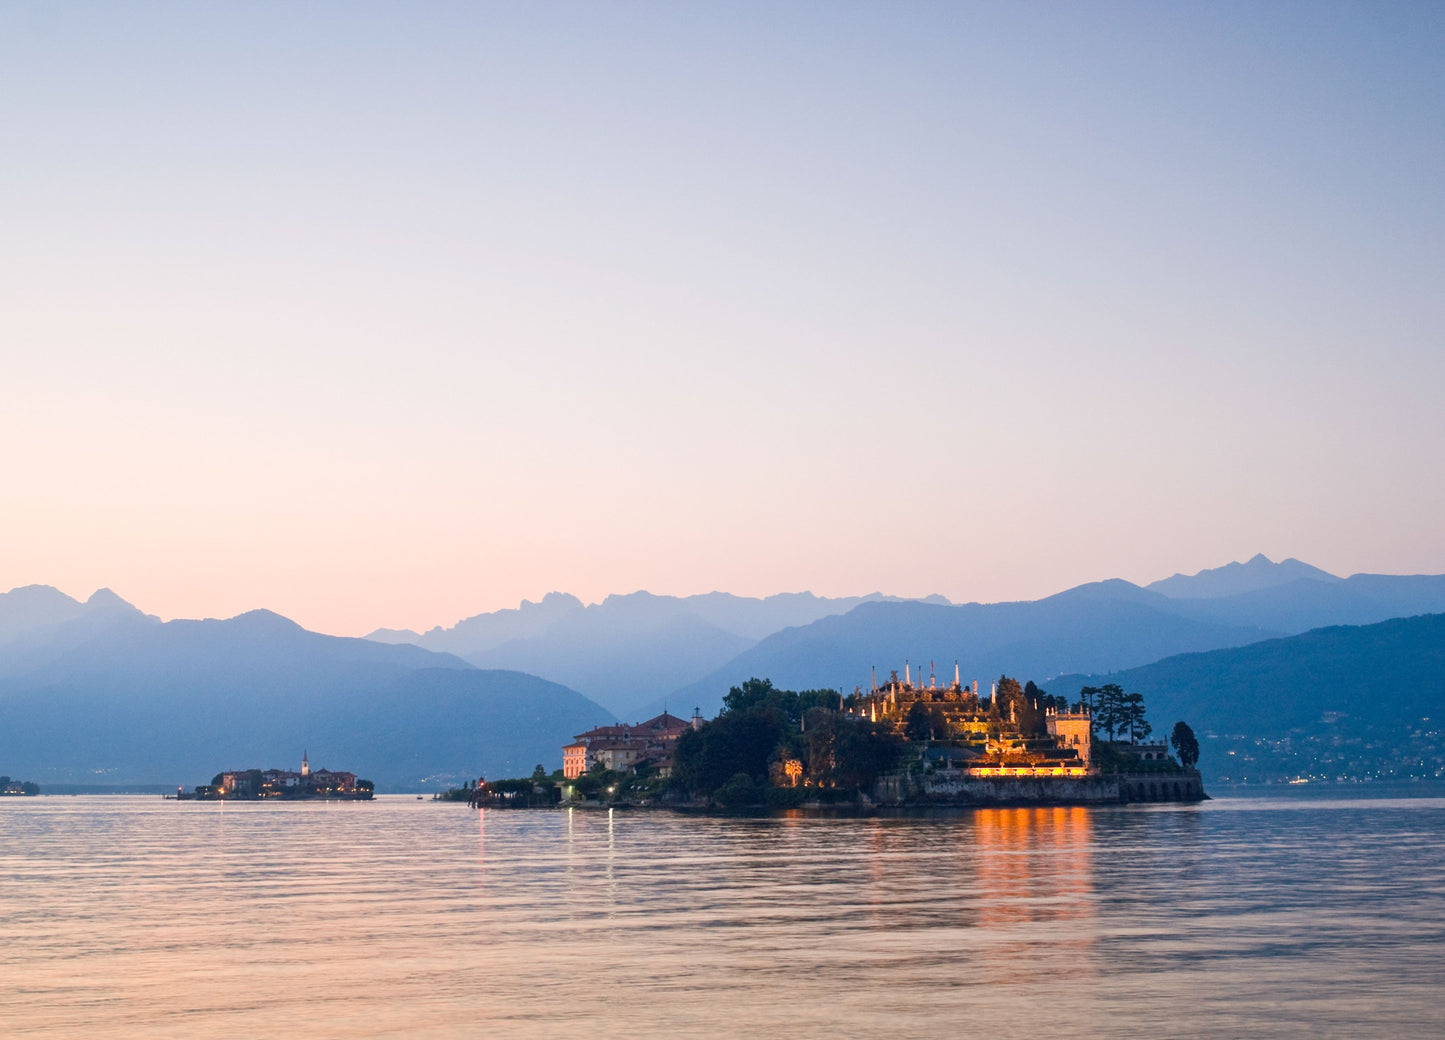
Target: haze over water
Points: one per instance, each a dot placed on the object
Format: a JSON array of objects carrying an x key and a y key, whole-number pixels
[{"x": 1241, "y": 917}]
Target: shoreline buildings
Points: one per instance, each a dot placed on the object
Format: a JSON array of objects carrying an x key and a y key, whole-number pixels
[
  {"x": 256, "y": 784},
  {"x": 625, "y": 748}
]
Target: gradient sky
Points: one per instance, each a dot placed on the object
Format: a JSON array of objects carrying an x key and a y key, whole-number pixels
[{"x": 387, "y": 314}]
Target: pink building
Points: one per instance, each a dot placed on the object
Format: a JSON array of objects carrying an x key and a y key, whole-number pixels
[{"x": 623, "y": 748}]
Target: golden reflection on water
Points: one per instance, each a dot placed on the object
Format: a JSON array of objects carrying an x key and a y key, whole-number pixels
[
  {"x": 133, "y": 917},
  {"x": 1034, "y": 871},
  {"x": 1033, "y": 863}
]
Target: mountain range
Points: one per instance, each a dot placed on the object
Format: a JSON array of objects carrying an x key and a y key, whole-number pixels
[
  {"x": 629, "y": 651},
  {"x": 1347, "y": 701},
  {"x": 637, "y": 654},
  {"x": 1098, "y": 628},
  {"x": 100, "y": 692}
]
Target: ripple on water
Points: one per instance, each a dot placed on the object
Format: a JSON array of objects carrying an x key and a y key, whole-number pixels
[{"x": 134, "y": 916}]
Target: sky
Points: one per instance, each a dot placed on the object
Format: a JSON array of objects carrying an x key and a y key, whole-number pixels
[{"x": 390, "y": 314}]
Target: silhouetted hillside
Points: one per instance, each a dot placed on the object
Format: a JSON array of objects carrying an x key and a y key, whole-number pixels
[
  {"x": 132, "y": 700},
  {"x": 439, "y": 726},
  {"x": 1104, "y": 622},
  {"x": 1114, "y": 621},
  {"x": 1346, "y": 701}
]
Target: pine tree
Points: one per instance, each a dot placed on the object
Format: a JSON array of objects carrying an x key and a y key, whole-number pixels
[{"x": 1109, "y": 711}]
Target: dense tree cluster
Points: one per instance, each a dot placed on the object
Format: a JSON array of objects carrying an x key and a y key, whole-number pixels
[
  {"x": 762, "y": 730},
  {"x": 1115, "y": 712}
]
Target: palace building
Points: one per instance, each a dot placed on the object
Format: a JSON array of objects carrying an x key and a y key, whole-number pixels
[{"x": 983, "y": 737}]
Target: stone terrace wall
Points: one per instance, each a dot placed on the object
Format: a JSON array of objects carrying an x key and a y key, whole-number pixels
[{"x": 950, "y": 788}]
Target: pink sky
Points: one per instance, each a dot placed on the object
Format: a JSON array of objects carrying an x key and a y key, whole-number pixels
[{"x": 383, "y": 321}]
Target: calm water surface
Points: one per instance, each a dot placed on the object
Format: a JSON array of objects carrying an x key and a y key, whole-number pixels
[{"x": 1239, "y": 918}]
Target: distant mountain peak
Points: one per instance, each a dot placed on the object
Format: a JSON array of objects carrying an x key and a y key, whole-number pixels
[
  {"x": 105, "y": 599},
  {"x": 394, "y": 636},
  {"x": 1259, "y": 572},
  {"x": 46, "y": 591},
  {"x": 266, "y": 620}
]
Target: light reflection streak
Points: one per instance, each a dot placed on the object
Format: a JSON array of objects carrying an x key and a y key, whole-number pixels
[{"x": 1035, "y": 868}]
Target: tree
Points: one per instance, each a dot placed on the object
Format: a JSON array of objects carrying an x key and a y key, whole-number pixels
[
  {"x": 1109, "y": 709},
  {"x": 1032, "y": 705},
  {"x": 539, "y": 774},
  {"x": 737, "y": 741},
  {"x": 755, "y": 693},
  {"x": 761, "y": 693},
  {"x": 920, "y": 722},
  {"x": 739, "y": 791},
  {"x": 844, "y": 752},
  {"x": 1010, "y": 695},
  {"x": 1185, "y": 744},
  {"x": 1131, "y": 711},
  {"x": 995, "y": 719}
]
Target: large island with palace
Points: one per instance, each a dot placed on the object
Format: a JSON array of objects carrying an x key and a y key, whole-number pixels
[{"x": 901, "y": 743}]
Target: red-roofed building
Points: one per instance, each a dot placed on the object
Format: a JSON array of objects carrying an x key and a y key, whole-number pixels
[{"x": 623, "y": 748}]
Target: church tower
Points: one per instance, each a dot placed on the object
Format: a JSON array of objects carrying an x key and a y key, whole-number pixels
[{"x": 305, "y": 766}]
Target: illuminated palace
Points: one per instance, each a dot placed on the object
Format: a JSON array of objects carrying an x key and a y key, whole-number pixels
[{"x": 982, "y": 738}]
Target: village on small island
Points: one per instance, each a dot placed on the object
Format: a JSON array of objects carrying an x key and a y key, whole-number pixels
[
  {"x": 900, "y": 744},
  {"x": 260, "y": 784},
  {"x": 17, "y": 788}
]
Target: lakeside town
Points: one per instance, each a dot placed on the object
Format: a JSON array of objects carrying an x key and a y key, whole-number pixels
[
  {"x": 901, "y": 743},
  {"x": 263, "y": 784},
  {"x": 17, "y": 788}
]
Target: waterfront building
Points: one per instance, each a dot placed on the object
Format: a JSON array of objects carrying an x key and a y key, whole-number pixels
[
  {"x": 1072, "y": 729},
  {"x": 624, "y": 748}
]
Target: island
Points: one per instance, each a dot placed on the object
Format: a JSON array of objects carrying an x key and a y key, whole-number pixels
[
  {"x": 901, "y": 744},
  {"x": 264, "y": 784},
  {"x": 17, "y": 788}
]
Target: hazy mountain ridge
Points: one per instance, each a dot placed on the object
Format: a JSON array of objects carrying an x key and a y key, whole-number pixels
[
  {"x": 1301, "y": 605},
  {"x": 1259, "y": 572},
  {"x": 1112, "y": 620},
  {"x": 637, "y": 653},
  {"x": 85, "y": 686},
  {"x": 125, "y": 698},
  {"x": 36, "y": 609},
  {"x": 629, "y": 649},
  {"x": 1030, "y": 639}
]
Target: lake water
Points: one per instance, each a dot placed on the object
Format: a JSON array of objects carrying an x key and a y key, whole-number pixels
[{"x": 133, "y": 916}]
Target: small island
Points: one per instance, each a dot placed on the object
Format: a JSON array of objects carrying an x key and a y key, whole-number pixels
[
  {"x": 900, "y": 745},
  {"x": 17, "y": 788},
  {"x": 265, "y": 784}
]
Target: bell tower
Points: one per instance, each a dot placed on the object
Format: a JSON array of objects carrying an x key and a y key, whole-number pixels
[{"x": 305, "y": 766}]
